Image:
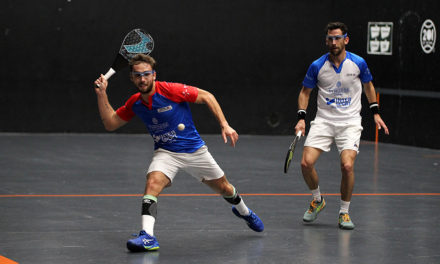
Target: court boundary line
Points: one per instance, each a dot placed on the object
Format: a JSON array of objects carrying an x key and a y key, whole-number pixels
[
  {"x": 5, "y": 260},
  {"x": 207, "y": 194}
]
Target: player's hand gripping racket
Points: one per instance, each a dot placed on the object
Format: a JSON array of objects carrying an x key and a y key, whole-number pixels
[
  {"x": 290, "y": 152},
  {"x": 135, "y": 42}
]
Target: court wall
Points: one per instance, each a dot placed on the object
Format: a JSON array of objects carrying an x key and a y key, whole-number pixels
[{"x": 252, "y": 55}]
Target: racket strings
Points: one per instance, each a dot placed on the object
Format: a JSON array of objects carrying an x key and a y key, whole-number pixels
[{"x": 137, "y": 41}]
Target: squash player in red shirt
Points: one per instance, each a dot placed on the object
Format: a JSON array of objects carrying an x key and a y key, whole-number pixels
[{"x": 164, "y": 108}]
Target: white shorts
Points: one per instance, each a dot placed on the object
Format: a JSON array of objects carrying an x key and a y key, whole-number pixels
[
  {"x": 345, "y": 135},
  {"x": 199, "y": 164}
]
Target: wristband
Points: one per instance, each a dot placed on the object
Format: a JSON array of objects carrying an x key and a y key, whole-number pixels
[
  {"x": 374, "y": 107},
  {"x": 301, "y": 114}
]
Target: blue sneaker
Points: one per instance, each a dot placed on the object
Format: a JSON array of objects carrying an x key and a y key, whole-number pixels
[
  {"x": 144, "y": 242},
  {"x": 252, "y": 220}
]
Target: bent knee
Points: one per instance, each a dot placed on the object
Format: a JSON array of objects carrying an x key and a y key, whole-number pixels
[
  {"x": 157, "y": 180},
  {"x": 221, "y": 186},
  {"x": 306, "y": 164},
  {"x": 347, "y": 167},
  {"x": 225, "y": 189}
]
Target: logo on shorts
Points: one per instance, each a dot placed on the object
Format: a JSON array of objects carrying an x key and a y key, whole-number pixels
[{"x": 154, "y": 120}]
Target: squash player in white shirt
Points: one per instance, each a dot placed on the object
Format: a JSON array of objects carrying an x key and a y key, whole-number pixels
[{"x": 339, "y": 76}]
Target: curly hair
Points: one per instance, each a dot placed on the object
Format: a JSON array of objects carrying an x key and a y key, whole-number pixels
[
  {"x": 142, "y": 58},
  {"x": 336, "y": 25}
]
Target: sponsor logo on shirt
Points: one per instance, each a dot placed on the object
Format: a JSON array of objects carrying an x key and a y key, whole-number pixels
[
  {"x": 339, "y": 91},
  {"x": 168, "y": 137},
  {"x": 185, "y": 90},
  {"x": 367, "y": 72},
  {"x": 164, "y": 109},
  {"x": 156, "y": 127},
  {"x": 339, "y": 102}
]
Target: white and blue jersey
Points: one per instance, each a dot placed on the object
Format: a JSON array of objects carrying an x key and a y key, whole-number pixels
[
  {"x": 165, "y": 110},
  {"x": 340, "y": 89}
]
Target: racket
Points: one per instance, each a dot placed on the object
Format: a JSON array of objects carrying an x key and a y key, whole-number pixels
[
  {"x": 290, "y": 152},
  {"x": 135, "y": 42}
]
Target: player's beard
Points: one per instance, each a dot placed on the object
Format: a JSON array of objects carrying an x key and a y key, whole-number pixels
[
  {"x": 336, "y": 51},
  {"x": 147, "y": 89}
]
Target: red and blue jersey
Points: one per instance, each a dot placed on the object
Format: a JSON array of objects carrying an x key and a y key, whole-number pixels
[{"x": 165, "y": 110}]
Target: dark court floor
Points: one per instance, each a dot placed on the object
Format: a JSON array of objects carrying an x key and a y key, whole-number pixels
[{"x": 76, "y": 198}]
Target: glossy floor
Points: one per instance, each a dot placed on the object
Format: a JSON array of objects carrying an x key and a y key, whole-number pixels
[{"x": 76, "y": 198}]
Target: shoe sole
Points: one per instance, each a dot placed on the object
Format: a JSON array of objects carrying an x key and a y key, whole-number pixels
[
  {"x": 346, "y": 227},
  {"x": 134, "y": 248}
]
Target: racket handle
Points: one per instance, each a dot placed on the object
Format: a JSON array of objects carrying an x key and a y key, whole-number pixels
[
  {"x": 109, "y": 73},
  {"x": 299, "y": 134}
]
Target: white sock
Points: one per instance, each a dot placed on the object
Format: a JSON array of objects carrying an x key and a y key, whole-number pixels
[
  {"x": 316, "y": 195},
  {"x": 148, "y": 224},
  {"x": 242, "y": 208},
  {"x": 344, "y": 207}
]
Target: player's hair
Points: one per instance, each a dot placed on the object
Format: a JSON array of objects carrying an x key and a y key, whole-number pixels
[
  {"x": 142, "y": 58},
  {"x": 336, "y": 25}
]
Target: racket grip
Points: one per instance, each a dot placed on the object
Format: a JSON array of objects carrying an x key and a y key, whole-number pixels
[
  {"x": 299, "y": 134},
  {"x": 109, "y": 73}
]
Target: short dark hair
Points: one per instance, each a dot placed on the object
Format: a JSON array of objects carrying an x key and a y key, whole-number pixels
[
  {"x": 336, "y": 25},
  {"x": 142, "y": 58}
]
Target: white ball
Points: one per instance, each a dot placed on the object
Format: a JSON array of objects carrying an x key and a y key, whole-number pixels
[{"x": 181, "y": 126}]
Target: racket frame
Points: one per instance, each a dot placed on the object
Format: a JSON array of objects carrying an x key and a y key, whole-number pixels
[
  {"x": 290, "y": 151},
  {"x": 124, "y": 56}
]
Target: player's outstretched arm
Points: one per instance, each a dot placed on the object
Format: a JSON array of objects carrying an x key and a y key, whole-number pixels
[
  {"x": 108, "y": 115},
  {"x": 205, "y": 97}
]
